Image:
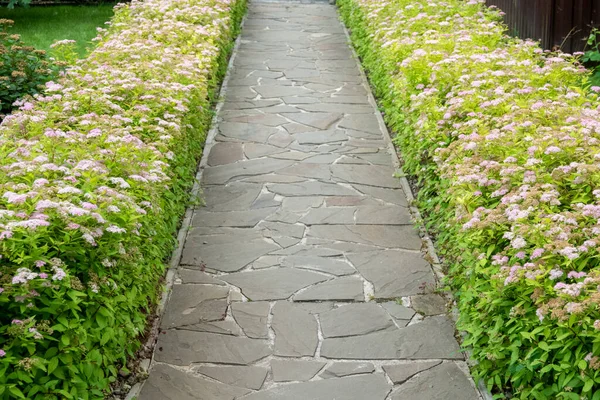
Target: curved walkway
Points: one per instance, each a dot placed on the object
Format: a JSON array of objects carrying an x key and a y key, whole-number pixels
[{"x": 293, "y": 277}]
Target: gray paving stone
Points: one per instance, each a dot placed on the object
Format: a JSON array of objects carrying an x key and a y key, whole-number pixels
[
  {"x": 445, "y": 381},
  {"x": 273, "y": 284},
  {"x": 252, "y": 317},
  {"x": 191, "y": 304},
  {"x": 358, "y": 387},
  {"x": 295, "y": 331},
  {"x": 240, "y": 376},
  {"x": 329, "y": 216},
  {"x": 182, "y": 347},
  {"x": 340, "y": 369},
  {"x": 431, "y": 338},
  {"x": 295, "y": 370},
  {"x": 373, "y": 175},
  {"x": 384, "y": 215},
  {"x": 225, "y": 252},
  {"x": 256, "y": 150},
  {"x": 166, "y": 382},
  {"x": 301, "y": 203},
  {"x": 234, "y": 219},
  {"x": 398, "y": 311},
  {"x": 375, "y": 235},
  {"x": 347, "y": 288},
  {"x": 223, "y": 173},
  {"x": 354, "y": 319},
  {"x": 393, "y": 273},
  {"x": 221, "y": 327},
  {"x": 282, "y": 229},
  {"x": 393, "y": 196},
  {"x": 195, "y": 276},
  {"x": 310, "y": 188},
  {"x": 236, "y": 196},
  {"x": 400, "y": 373},
  {"x": 308, "y": 170},
  {"x": 429, "y": 304},
  {"x": 321, "y": 137},
  {"x": 317, "y": 120},
  {"x": 241, "y": 131},
  {"x": 225, "y": 153},
  {"x": 328, "y": 265}
]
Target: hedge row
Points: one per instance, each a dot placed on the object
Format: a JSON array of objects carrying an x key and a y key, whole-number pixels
[
  {"x": 94, "y": 178},
  {"x": 504, "y": 141}
]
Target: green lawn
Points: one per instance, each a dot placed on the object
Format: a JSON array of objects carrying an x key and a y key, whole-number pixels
[{"x": 40, "y": 26}]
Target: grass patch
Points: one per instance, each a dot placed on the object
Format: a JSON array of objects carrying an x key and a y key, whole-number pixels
[{"x": 40, "y": 26}]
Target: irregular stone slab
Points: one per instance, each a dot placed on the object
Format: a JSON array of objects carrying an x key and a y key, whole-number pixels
[
  {"x": 446, "y": 381},
  {"x": 384, "y": 215},
  {"x": 221, "y": 327},
  {"x": 373, "y": 175},
  {"x": 270, "y": 91},
  {"x": 361, "y": 123},
  {"x": 246, "y": 377},
  {"x": 280, "y": 139},
  {"x": 301, "y": 203},
  {"x": 321, "y": 137},
  {"x": 225, "y": 153},
  {"x": 354, "y": 319},
  {"x": 295, "y": 370},
  {"x": 389, "y": 236},
  {"x": 365, "y": 108},
  {"x": 182, "y": 347},
  {"x": 265, "y": 200},
  {"x": 339, "y": 369},
  {"x": 429, "y": 304},
  {"x": 398, "y": 311},
  {"x": 329, "y": 216},
  {"x": 393, "y": 273},
  {"x": 325, "y": 264},
  {"x": 234, "y": 219},
  {"x": 291, "y": 155},
  {"x": 431, "y": 338},
  {"x": 308, "y": 170},
  {"x": 266, "y": 262},
  {"x": 317, "y": 120},
  {"x": 168, "y": 383},
  {"x": 227, "y": 253},
  {"x": 195, "y": 276},
  {"x": 256, "y": 150},
  {"x": 359, "y": 387},
  {"x": 240, "y": 131},
  {"x": 252, "y": 317},
  {"x": 394, "y": 196},
  {"x": 282, "y": 229},
  {"x": 349, "y": 201},
  {"x": 191, "y": 304},
  {"x": 400, "y": 373},
  {"x": 261, "y": 119},
  {"x": 310, "y": 188},
  {"x": 347, "y": 288},
  {"x": 295, "y": 331},
  {"x": 273, "y": 284},
  {"x": 223, "y": 173},
  {"x": 236, "y": 196}
]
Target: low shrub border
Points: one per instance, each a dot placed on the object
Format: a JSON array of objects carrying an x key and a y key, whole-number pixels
[
  {"x": 504, "y": 141},
  {"x": 94, "y": 179}
]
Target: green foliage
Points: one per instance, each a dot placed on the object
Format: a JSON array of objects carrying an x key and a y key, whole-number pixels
[
  {"x": 23, "y": 69},
  {"x": 98, "y": 173},
  {"x": 503, "y": 140},
  {"x": 41, "y": 26},
  {"x": 592, "y": 56}
]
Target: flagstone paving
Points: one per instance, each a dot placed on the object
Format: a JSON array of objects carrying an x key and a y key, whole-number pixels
[{"x": 302, "y": 276}]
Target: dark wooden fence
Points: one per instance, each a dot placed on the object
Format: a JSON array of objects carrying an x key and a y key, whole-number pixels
[{"x": 557, "y": 23}]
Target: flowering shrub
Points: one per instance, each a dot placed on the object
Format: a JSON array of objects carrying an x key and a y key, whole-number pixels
[
  {"x": 23, "y": 69},
  {"x": 94, "y": 177},
  {"x": 504, "y": 141}
]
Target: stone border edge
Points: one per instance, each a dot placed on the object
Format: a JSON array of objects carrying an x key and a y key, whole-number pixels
[
  {"x": 435, "y": 262},
  {"x": 175, "y": 258}
]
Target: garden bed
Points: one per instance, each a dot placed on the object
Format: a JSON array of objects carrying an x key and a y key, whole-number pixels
[
  {"x": 503, "y": 140},
  {"x": 95, "y": 178}
]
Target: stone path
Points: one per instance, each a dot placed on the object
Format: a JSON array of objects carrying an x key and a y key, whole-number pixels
[{"x": 293, "y": 277}]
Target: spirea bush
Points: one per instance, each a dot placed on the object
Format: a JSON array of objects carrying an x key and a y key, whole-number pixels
[
  {"x": 23, "y": 69},
  {"x": 94, "y": 178},
  {"x": 504, "y": 141}
]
